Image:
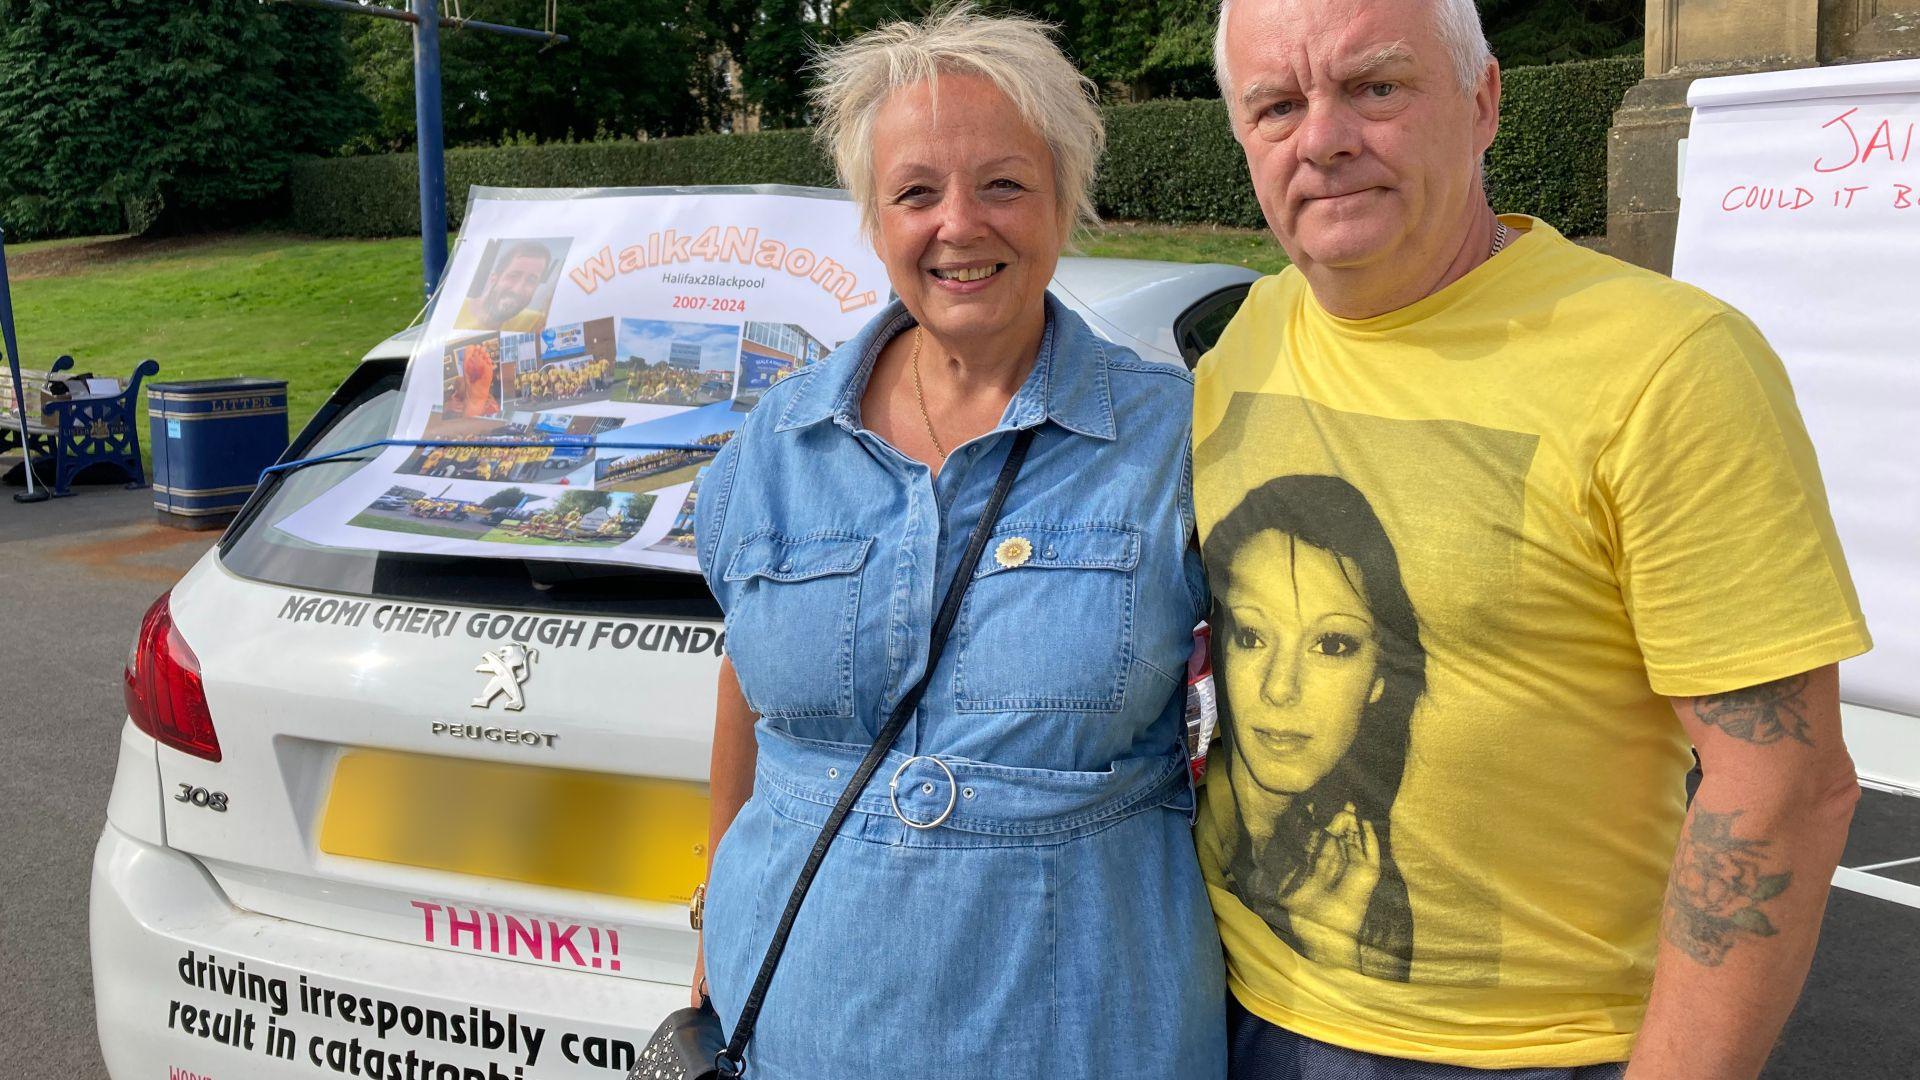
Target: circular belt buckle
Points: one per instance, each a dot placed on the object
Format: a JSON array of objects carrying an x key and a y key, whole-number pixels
[{"x": 893, "y": 793}]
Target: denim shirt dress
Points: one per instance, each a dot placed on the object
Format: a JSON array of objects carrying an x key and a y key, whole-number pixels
[{"x": 1054, "y": 922}]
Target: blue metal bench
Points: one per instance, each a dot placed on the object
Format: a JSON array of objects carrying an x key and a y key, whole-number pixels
[{"x": 86, "y": 430}]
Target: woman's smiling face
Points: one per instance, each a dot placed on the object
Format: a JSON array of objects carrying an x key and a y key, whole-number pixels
[
  {"x": 968, "y": 219},
  {"x": 1301, "y": 661}
]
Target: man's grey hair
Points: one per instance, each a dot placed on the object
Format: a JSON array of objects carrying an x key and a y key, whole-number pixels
[
  {"x": 855, "y": 80},
  {"x": 1458, "y": 22}
]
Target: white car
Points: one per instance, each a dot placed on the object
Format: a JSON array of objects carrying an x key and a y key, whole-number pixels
[{"x": 392, "y": 815}]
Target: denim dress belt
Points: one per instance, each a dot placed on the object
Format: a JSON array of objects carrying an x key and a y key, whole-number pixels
[{"x": 938, "y": 801}]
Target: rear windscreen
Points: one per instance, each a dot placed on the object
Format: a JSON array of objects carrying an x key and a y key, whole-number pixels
[{"x": 255, "y": 548}]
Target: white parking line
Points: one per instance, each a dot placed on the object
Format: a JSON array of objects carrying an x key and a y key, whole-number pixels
[
  {"x": 1869, "y": 885},
  {"x": 1884, "y": 865}
]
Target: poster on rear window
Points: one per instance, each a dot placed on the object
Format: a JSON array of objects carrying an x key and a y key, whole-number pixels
[{"x": 624, "y": 333}]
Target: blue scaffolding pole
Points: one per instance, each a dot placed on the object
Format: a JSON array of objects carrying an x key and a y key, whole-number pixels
[
  {"x": 432, "y": 141},
  {"x": 427, "y": 21}
]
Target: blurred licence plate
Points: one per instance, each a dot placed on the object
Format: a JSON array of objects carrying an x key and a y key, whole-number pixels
[{"x": 630, "y": 836}]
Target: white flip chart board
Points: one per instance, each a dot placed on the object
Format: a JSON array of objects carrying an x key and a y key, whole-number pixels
[{"x": 1801, "y": 207}]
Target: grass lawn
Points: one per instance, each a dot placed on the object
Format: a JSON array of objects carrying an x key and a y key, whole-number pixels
[
  {"x": 260, "y": 304},
  {"x": 508, "y": 536},
  {"x": 422, "y": 528},
  {"x": 280, "y": 306},
  {"x": 1253, "y": 248},
  {"x": 662, "y": 480}
]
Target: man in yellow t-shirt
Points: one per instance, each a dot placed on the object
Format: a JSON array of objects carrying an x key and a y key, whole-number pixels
[
  {"x": 505, "y": 302},
  {"x": 1497, "y": 529}
]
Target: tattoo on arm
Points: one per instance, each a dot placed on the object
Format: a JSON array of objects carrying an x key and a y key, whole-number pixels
[
  {"x": 1718, "y": 888},
  {"x": 1761, "y": 714}
]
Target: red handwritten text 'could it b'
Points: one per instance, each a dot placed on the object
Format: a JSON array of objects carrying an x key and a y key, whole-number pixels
[
  {"x": 1877, "y": 154},
  {"x": 553, "y": 940}
]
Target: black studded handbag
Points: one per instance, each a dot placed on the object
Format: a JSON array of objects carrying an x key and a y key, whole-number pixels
[{"x": 690, "y": 1043}]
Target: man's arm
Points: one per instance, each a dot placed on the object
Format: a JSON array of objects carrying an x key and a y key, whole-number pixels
[{"x": 1750, "y": 876}]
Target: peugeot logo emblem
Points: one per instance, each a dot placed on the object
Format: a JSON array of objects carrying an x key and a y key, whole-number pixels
[{"x": 509, "y": 666}]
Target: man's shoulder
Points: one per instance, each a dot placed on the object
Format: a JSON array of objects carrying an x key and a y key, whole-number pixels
[
  {"x": 526, "y": 319},
  {"x": 1568, "y": 273},
  {"x": 1276, "y": 291},
  {"x": 1270, "y": 301}
]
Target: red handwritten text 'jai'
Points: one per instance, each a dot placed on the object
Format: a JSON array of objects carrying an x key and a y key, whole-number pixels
[
  {"x": 552, "y": 940},
  {"x": 1852, "y": 141},
  {"x": 1888, "y": 141}
]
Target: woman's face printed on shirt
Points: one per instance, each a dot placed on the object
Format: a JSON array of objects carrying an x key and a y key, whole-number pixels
[{"x": 1302, "y": 661}]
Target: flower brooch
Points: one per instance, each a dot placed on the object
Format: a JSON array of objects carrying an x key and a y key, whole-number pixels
[{"x": 1013, "y": 551}]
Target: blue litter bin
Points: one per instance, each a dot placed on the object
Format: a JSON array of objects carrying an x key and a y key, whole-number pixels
[{"x": 210, "y": 439}]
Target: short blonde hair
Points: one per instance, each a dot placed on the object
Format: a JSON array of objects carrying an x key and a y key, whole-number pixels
[{"x": 1020, "y": 57}]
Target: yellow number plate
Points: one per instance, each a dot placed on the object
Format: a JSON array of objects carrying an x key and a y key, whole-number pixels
[{"x": 597, "y": 832}]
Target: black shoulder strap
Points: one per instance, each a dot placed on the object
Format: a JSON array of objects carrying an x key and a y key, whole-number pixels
[{"x": 731, "y": 1061}]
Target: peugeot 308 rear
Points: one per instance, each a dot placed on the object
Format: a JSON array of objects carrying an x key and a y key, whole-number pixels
[{"x": 400, "y": 816}]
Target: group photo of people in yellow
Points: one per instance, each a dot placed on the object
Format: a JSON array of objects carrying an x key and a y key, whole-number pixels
[
  {"x": 674, "y": 362},
  {"x": 465, "y": 510},
  {"x": 679, "y": 539},
  {"x": 576, "y": 518},
  {"x": 562, "y": 383},
  {"x": 514, "y": 463},
  {"x": 654, "y": 469}
]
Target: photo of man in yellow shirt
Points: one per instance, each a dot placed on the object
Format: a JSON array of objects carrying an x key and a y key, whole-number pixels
[{"x": 513, "y": 281}]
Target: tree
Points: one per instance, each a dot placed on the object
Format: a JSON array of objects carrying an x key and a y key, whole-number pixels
[
  {"x": 585, "y": 502},
  {"x": 160, "y": 113},
  {"x": 1149, "y": 48},
  {"x": 630, "y": 68},
  {"x": 1157, "y": 48},
  {"x": 773, "y": 62},
  {"x": 504, "y": 499},
  {"x": 1526, "y": 32}
]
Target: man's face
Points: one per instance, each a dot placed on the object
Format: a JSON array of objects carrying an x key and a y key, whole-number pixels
[
  {"x": 511, "y": 288},
  {"x": 1363, "y": 147}
]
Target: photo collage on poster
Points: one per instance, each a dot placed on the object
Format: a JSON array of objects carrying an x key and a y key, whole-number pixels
[
  {"x": 588, "y": 355},
  {"x": 591, "y": 393}
]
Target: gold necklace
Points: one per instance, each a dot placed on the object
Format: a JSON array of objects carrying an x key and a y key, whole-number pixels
[{"x": 920, "y": 395}]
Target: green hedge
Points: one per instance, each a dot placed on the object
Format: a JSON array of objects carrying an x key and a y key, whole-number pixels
[
  {"x": 378, "y": 195},
  {"x": 1167, "y": 161},
  {"x": 1550, "y": 159},
  {"x": 1174, "y": 161}
]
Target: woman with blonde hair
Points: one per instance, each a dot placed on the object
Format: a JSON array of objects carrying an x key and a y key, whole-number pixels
[{"x": 1016, "y": 892}]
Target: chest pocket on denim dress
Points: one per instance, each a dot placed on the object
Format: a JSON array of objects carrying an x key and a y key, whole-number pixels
[
  {"x": 791, "y": 624},
  {"x": 1048, "y": 621}
]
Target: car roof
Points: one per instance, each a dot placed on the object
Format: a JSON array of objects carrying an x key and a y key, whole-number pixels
[{"x": 1133, "y": 302}]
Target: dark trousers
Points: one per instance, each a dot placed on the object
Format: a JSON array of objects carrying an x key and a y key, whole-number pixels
[{"x": 1257, "y": 1050}]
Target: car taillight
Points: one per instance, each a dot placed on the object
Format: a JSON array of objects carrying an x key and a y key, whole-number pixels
[{"x": 164, "y": 696}]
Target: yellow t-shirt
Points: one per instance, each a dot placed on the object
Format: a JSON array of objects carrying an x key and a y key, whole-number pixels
[
  {"x": 1461, "y": 554},
  {"x": 469, "y": 317}
]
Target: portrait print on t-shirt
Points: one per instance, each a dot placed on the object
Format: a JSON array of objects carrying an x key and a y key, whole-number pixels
[
  {"x": 1320, "y": 666},
  {"x": 1361, "y": 550}
]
